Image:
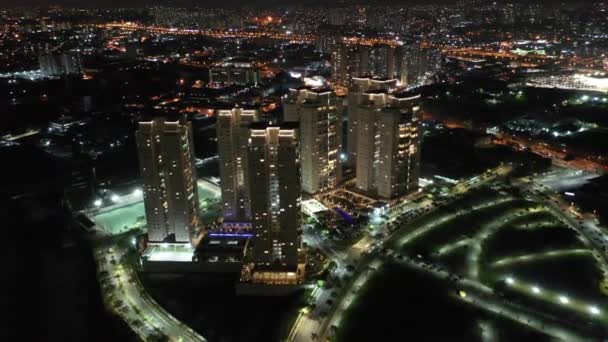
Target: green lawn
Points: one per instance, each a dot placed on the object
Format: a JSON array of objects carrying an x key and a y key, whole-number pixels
[
  {"x": 399, "y": 304},
  {"x": 525, "y": 242},
  {"x": 128, "y": 217},
  {"x": 468, "y": 201},
  {"x": 575, "y": 275},
  {"x": 461, "y": 227},
  {"x": 511, "y": 241}
]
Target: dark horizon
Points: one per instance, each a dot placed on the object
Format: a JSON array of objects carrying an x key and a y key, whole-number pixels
[{"x": 268, "y": 4}]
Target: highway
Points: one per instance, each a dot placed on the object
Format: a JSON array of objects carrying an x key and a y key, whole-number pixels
[
  {"x": 561, "y": 179},
  {"x": 221, "y": 34},
  {"x": 555, "y": 153},
  {"x": 124, "y": 294}
]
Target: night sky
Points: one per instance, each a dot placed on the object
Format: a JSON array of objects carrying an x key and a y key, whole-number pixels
[{"x": 227, "y": 3}]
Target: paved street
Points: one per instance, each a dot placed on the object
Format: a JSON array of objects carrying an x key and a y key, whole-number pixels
[
  {"x": 318, "y": 326},
  {"x": 513, "y": 260},
  {"x": 594, "y": 236},
  {"x": 473, "y": 256},
  {"x": 484, "y": 297},
  {"x": 144, "y": 315},
  {"x": 560, "y": 179},
  {"x": 316, "y": 323},
  {"x": 410, "y": 236}
]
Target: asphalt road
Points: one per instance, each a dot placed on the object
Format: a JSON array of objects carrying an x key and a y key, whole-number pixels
[
  {"x": 310, "y": 325},
  {"x": 144, "y": 315},
  {"x": 315, "y": 324}
]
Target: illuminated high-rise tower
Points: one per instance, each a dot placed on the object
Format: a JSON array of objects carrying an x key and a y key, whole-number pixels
[
  {"x": 274, "y": 182},
  {"x": 166, "y": 159},
  {"x": 232, "y": 137},
  {"x": 364, "y": 92},
  {"x": 319, "y": 112},
  {"x": 388, "y": 146}
]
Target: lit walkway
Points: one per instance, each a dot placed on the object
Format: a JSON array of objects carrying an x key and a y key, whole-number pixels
[
  {"x": 487, "y": 231},
  {"x": 591, "y": 310},
  {"x": 508, "y": 261},
  {"x": 449, "y": 217}
]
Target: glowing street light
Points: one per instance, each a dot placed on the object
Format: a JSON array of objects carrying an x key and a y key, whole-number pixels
[
  {"x": 137, "y": 192},
  {"x": 535, "y": 289},
  {"x": 97, "y": 203},
  {"x": 564, "y": 300},
  {"x": 594, "y": 310},
  {"x": 115, "y": 198},
  {"x": 510, "y": 280}
]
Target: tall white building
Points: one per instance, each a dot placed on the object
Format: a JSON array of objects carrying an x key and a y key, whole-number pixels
[
  {"x": 319, "y": 112},
  {"x": 363, "y": 93},
  {"x": 166, "y": 159},
  {"x": 388, "y": 145},
  {"x": 233, "y": 137},
  {"x": 274, "y": 181},
  {"x": 57, "y": 64}
]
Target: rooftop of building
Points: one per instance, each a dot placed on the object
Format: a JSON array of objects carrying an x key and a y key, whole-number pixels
[
  {"x": 406, "y": 94},
  {"x": 225, "y": 106},
  {"x": 176, "y": 252},
  {"x": 377, "y": 91},
  {"x": 311, "y": 89},
  {"x": 282, "y": 125},
  {"x": 222, "y": 247}
]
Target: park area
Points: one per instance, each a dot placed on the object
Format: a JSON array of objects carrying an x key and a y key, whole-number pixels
[
  {"x": 122, "y": 219},
  {"x": 497, "y": 238},
  {"x": 398, "y": 304}
]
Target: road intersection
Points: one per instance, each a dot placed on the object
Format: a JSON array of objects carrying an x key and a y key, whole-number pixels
[{"x": 318, "y": 323}]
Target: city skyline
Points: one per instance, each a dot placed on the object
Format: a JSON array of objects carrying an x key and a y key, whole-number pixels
[{"x": 300, "y": 171}]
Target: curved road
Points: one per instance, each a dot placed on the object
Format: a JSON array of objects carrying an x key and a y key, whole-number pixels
[{"x": 144, "y": 315}]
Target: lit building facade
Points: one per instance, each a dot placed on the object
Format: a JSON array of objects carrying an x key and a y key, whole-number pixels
[
  {"x": 388, "y": 145},
  {"x": 339, "y": 63},
  {"x": 53, "y": 64},
  {"x": 166, "y": 159},
  {"x": 417, "y": 66},
  {"x": 319, "y": 112},
  {"x": 233, "y": 137},
  {"x": 350, "y": 61},
  {"x": 274, "y": 181},
  {"x": 362, "y": 94},
  {"x": 234, "y": 73}
]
